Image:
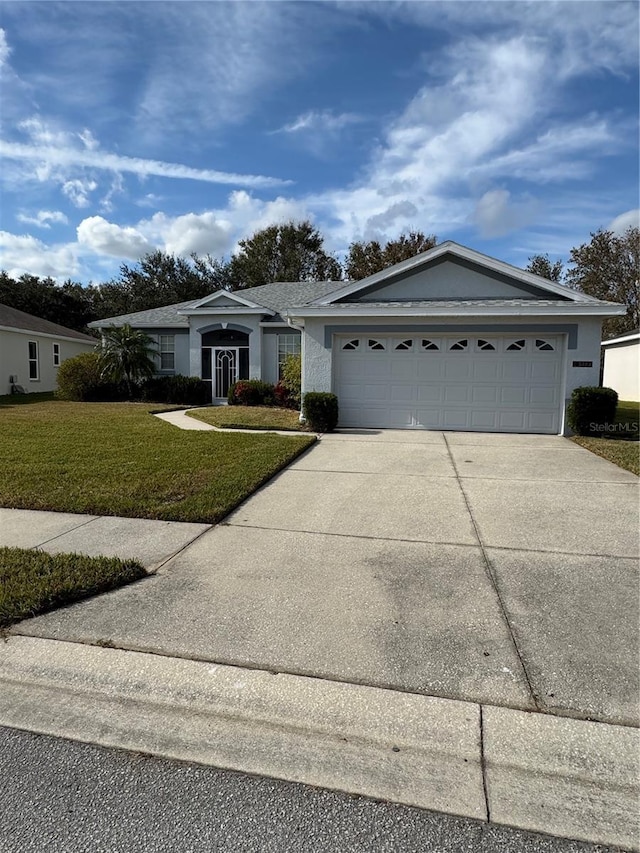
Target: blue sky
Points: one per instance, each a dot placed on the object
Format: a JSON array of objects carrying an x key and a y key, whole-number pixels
[{"x": 510, "y": 127}]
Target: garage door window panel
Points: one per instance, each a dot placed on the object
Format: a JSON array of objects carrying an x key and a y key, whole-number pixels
[
  {"x": 351, "y": 345},
  {"x": 459, "y": 346},
  {"x": 430, "y": 345}
]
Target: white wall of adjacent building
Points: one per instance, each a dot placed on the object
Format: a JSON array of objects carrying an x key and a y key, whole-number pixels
[
  {"x": 34, "y": 358},
  {"x": 622, "y": 369}
]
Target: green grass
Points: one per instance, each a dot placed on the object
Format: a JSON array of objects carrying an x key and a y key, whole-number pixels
[
  {"x": 249, "y": 417},
  {"x": 621, "y": 445},
  {"x": 117, "y": 459},
  {"x": 32, "y": 582}
]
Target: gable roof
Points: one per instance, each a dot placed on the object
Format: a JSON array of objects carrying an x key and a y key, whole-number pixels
[
  {"x": 12, "y": 318},
  {"x": 460, "y": 253},
  {"x": 276, "y": 297}
]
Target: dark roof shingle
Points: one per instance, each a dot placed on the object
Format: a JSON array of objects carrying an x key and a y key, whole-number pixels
[{"x": 15, "y": 319}]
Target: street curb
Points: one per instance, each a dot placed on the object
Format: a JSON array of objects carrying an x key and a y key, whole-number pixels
[{"x": 555, "y": 775}]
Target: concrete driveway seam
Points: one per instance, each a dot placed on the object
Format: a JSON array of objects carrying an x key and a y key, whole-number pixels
[
  {"x": 64, "y": 533},
  {"x": 492, "y": 579}
]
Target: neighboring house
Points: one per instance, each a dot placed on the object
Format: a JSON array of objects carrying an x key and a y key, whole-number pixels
[
  {"x": 32, "y": 350},
  {"x": 622, "y": 365},
  {"x": 450, "y": 339}
]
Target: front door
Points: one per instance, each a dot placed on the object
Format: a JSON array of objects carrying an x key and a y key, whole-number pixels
[{"x": 220, "y": 368}]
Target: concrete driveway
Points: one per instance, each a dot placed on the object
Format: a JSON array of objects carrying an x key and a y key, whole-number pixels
[{"x": 492, "y": 568}]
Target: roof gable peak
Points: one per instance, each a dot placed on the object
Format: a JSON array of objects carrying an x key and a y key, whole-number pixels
[{"x": 459, "y": 253}]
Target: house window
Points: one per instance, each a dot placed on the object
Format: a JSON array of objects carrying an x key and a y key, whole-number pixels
[
  {"x": 516, "y": 345},
  {"x": 56, "y": 355},
  {"x": 429, "y": 345},
  {"x": 287, "y": 345},
  {"x": 34, "y": 367},
  {"x": 545, "y": 346},
  {"x": 167, "y": 352}
]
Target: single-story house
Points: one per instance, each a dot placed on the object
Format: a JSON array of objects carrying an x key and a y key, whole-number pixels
[
  {"x": 32, "y": 350},
  {"x": 449, "y": 339},
  {"x": 622, "y": 365}
]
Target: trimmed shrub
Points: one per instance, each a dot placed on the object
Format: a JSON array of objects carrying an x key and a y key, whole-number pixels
[
  {"x": 590, "y": 408},
  {"x": 79, "y": 379},
  {"x": 251, "y": 392},
  {"x": 180, "y": 390},
  {"x": 292, "y": 379},
  {"x": 320, "y": 410}
]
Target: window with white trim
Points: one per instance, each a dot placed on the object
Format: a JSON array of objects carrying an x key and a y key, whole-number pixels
[
  {"x": 287, "y": 345},
  {"x": 354, "y": 344},
  {"x": 167, "y": 347},
  {"x": 56, "y": 355},
  {"x": 34, "y": 361}
]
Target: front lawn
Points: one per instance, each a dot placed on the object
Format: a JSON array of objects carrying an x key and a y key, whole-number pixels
[
  {"x": 32, "y": 582},
  {"x": 621, "y": 444},
  {"x": 117, "y": 459},
  {"x": 249, "y": 417}
]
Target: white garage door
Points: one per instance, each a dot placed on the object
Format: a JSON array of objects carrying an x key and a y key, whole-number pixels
[{"x": 457, "y": 381}]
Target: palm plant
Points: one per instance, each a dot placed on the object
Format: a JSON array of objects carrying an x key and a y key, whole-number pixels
[{"x": 127, "y": 355}]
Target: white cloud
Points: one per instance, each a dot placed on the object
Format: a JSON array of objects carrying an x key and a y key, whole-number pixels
[
  {"x": 77, "y": 191},
  {"x": 204, "y": 233},
  {"x": 107, "y": 238},
  {"x": 630, "y": 219},
  {"x": 25, "y": 254},
  {"x": 320, "y": 121},
  {"x": 44, "y": 218},
  {"x": 496, "y": 213},
  {"x": 5, "y": 50},
  {"x": 53, "y": 150}
]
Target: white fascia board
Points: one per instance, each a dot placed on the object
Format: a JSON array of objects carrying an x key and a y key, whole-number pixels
[
  {"x": 623, "y": 339},
  {"x": 479, "y": 311},
  {"x": 449, "y": 247},
  {"x": 268, "y": 325},
  {"x": 50, "y": 335}
]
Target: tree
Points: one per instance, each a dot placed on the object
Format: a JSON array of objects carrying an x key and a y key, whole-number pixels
[
  {"x": 541, "y": 265},
  {"x": 290, "y": 252},
  {"x": 159, "y": 279},
  {"x": 69, "y": 304},
  {"x": 127, "y": 355},
  {"x": 366, "y": 258},
  {"x": 608, "y": 268}
]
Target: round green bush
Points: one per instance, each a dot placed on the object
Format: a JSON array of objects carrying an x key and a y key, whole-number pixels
[
  {"x": 591, "y": 408},
  {"x": 79, "y": 379}
]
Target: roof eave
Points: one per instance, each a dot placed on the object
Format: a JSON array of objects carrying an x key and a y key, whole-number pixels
[{"x": 581, "y": 309}]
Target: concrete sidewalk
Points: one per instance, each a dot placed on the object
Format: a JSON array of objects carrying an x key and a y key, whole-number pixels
[
  {"x": 565, "y": 777},
  {"x": 152, "y": 543},
  {"x": 478, "y": 592}
]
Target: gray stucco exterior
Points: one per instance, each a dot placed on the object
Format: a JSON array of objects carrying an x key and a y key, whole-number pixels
[{"x": 447, "y": 290}]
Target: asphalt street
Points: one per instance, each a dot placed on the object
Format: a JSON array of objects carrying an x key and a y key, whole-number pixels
[{"x": 59, "y": 796}]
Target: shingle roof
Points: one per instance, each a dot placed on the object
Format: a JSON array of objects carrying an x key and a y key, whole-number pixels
[
  {"x": 460, "y": 303},
  {"x": 277, "y": 296},
  {"x": 15, "y": 319},
  {"x": 165, "y": 316}
]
